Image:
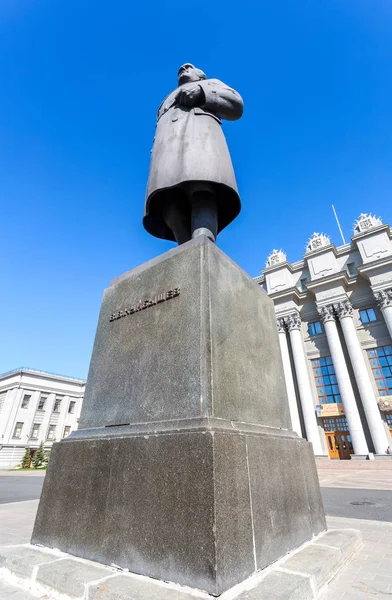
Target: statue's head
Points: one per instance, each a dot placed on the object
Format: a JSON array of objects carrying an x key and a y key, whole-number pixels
[{"x": 188, "y": 73}]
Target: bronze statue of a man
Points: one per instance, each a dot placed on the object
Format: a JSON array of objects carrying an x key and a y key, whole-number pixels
[{"x": 191, "y": 187}]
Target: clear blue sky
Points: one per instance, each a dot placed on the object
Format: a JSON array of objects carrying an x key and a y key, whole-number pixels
[{"x": 80, "y": 85}]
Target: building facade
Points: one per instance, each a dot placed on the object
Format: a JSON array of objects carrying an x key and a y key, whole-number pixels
[
  {"x": 36, "y": 407},
  {"x": 334, "y": 317}
]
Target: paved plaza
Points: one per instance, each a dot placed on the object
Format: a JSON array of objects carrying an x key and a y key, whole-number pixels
[
  {"x": 369, "y": 572},
  {"x": 367, "y": 575},
  {"x": 369, "y": 475}
]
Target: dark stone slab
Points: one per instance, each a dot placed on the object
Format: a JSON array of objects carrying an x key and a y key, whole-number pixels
[
  {"x": 310, "y": 476},
  {"x": 157, "y": 363},
  {"x": 248, "y": 380},
  {"x": 279, "y": 497},
  {"x": 184, "y": 468},
  {"x": 164, "y": 517},
  {"x": 145, "y": 504},
  {"x": 146, "y": 366},
  {"x": 72, "y": 508},
  {"x": 233, "y": 517},
  {"x": 203, "y": 509}
]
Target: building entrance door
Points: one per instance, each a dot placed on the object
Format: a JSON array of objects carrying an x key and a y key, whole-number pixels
[
  {"x": 331, "y": 445},
  {"x": 338, "y": 438},
  {"x": 339, "y": 444}
]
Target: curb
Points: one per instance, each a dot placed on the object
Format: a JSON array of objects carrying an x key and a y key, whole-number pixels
[{"x": 300, "y": 575}]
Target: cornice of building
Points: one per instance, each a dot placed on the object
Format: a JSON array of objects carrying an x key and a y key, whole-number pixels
[
  {"x": 42, "y": 389},
  {"x": 19, "y": 372},
  {"x": 302, "y": 264},
  {"x": 318, "y": 251},
  {"x": 338, "y": 251},
  {"x": 298, "y": 265},
  {"x": 282, "y": 265},
  {"x": 291, "y": 293},
  {"x": 344, "y": 249},
  {"x": 340, "y": 277},
  {"x": 372, "y": 231},
  {"x": 365, "y": 269}
]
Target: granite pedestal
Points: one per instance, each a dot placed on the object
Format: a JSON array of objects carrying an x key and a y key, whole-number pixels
[{"x": 184, "y": 467}]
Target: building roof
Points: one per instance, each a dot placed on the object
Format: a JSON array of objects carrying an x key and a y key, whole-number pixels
[{"x": 21, "y": 370}]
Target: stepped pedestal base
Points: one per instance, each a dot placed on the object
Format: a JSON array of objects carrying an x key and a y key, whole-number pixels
[{"x": 185, "y": 467}]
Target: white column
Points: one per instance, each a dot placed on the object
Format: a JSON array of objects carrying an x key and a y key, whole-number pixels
[
  {"x": 293, "y": 323},
  {"x": 288, "y": 375},
  {"x": 358, "y": 439},
  {"x": 344, "y": 311},
  {"x": 384, "y": 301}
]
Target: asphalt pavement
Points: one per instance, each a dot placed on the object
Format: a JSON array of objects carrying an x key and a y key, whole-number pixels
[
  {"x": 20, "y": 488},
  {"x": 375, "y": 505},
  {"x": 351, "y": 503}
]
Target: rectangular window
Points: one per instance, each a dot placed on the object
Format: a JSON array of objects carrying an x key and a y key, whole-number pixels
[
  {"x": 335, "y": 424},
  {"x": 381, "y": 363},
  {"x": 326, "y": 382},
  {"x": 367, "y": 315},
  {"x": 2, "y": 400},
  {"x": 42, "y": 402},
  {"x": 315, "y": 328},
  {"x": 71, "y": 407},
  {"x": 51, "y": 432},
  {"x": 302, "y": 284},
  {"x": 25, "y": 401},
  {"x": 18, "y": 430},
  {"x": 57, "y": 404},
  {"x": 35, "y": 431},
  {"x": 351, "y": 270},
  {"x": 67, "y": 430}
]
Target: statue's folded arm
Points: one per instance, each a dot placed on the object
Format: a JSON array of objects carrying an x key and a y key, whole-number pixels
[{"x": 221, "y": 100}]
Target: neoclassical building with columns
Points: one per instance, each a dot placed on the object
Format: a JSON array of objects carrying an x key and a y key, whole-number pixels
[{"x": 334, "y": 318}]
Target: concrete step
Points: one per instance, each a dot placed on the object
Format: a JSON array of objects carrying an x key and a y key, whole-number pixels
[{"x": 300, "y": 575}]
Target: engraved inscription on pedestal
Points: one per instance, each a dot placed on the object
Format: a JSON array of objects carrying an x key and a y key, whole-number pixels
[{"x": 143, "y": 304}]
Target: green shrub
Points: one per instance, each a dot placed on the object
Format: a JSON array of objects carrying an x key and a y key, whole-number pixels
[
  {"x": 46, "y": 458},
  {"x": 39, "y": 456},
  {"x": 26, "y": 460}
]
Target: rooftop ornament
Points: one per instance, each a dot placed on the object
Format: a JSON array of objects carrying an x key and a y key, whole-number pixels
[
  {"x": 276, "y": 257},
  {"x": 365, "y": 222},
  {"x": 316, "y": 241}
]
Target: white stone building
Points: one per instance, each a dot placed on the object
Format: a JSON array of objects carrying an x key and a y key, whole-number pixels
[
  {"x": 36, "y": 407},
  {"x": 334, "y": 317}
]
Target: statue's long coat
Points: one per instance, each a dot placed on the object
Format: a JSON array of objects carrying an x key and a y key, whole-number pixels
[{"x": 189, "y": 145}]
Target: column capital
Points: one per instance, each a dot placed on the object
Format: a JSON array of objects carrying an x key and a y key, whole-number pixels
[
  {"x": 344, "y": 309},
  {"x": 327, "y": 313},
  {"x": 293, "y": 321},
  {"x": 281, "y": 325},
  {"x": 384, "y": 298}
]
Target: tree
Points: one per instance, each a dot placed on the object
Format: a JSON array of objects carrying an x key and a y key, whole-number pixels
[
  {"x": 46, "y": 458},
  {"x": 26, "y": 460},
  {"x": 39, "y": 456}
]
